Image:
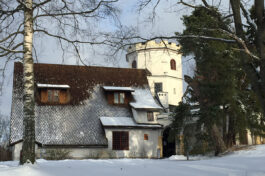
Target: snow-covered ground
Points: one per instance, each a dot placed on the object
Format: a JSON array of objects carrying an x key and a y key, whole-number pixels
[{"x": 243, "y": 163}]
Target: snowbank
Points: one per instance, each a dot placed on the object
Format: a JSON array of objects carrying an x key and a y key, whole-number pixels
[
  {"x": 182, "y": 157},
  {"x": 240, "y": 163}
]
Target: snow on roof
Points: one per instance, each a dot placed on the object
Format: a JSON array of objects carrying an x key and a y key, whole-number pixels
[
  {"x": 124, "y": 122},
  {"x": 114, "y": 88},
  {"x": 53, "y": 86},
  {"x": 144, "y": 100}
]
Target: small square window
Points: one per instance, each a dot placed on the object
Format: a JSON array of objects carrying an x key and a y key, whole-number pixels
[
  {"x": 116, "y": 98},
  {"x": 158, "y": 87},
  {"x": 119, "y": 98},
  {"x": 53, "y": 96},
  {"x": 145, "y": 137},
  {"x": 150, "y": 116},
  {"x": 56, "y": 96},
  {"x": 122, "y": 97},
  {"x": 50, "y": 95}
]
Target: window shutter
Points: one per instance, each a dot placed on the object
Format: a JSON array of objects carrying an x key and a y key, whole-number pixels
[
  {"x": 63, "y": 96},
  {"x": 44, "y": 95}
]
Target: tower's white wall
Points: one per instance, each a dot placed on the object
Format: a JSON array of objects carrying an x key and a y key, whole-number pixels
[{"x": 156, "y": 58}]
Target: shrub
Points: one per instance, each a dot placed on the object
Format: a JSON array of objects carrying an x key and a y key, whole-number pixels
[{"x": 56, "y": 154}]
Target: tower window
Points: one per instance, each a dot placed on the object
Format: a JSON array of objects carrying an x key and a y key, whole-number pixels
[
  {"x": 173, "y": 64},
  {"x": 158, "y": 87},
  {"x": 134, "y": 64}
]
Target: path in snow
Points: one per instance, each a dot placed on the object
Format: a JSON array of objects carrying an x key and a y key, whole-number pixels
[{"x": 241, "y": 163}]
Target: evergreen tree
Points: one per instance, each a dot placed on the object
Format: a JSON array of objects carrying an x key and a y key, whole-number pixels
[{"x": 227, "y": 105}]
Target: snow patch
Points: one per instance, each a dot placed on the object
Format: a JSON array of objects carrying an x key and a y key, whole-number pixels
[
  {"x": 123, "y": 121},
  {"x": 144, "y": 100},
  {"x": 113, "y": 88},
  {"x": 53, "y": 86}
]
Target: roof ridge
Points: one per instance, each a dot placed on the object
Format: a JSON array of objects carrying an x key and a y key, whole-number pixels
[{"x": 88, "y": 66}]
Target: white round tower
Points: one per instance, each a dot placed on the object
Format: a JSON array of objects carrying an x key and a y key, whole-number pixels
[{"x": 164, "y": 62}]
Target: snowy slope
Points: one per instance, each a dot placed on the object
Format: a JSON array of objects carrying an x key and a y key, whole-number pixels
[{"x": 241, "y": 163}]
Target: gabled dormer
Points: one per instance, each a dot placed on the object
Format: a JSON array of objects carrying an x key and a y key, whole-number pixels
[{"x": 144, "y": 107}]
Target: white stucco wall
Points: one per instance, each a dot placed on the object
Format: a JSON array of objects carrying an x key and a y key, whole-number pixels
[
  {"x": 164, "y": 119},
  {"x": 156, "y": 58},
  {"x": 138, "y": 147},
  {"x": 140, "y": 116},
  {"x": 17, "y": 148}
]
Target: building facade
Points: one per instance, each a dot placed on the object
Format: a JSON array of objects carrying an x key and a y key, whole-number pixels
[
  {"x": 163, "y": 60},
  {"x": 92, "y": 112}
]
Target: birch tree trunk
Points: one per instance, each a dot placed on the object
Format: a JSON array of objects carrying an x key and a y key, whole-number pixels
[{"x": 28, "y": 148}]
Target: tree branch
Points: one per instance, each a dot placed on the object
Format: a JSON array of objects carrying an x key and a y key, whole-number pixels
[
  {"x": 205, "y": 3},
  {"x": 247, "y": 16},
  {"x": 186, "y": 4},
  {"x": 13, "y": 49},
  {"x": 241, "y": 42},
  {"x": 11, "y": 35},
  {"x": 76, "y": 12},
  {"x": 42, "y": 3},
  {"x": 68, "y": 40}
]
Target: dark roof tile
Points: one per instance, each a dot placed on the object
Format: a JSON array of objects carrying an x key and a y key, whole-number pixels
[{"x": 76, "y": 123}]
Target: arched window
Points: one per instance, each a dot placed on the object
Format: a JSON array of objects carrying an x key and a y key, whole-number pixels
[
  {"x": 173, "y": 64},
  {"x": 134, "y": 64}
]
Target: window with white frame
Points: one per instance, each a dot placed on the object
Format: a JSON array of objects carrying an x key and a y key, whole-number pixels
[{"x": 119, "y": 98}]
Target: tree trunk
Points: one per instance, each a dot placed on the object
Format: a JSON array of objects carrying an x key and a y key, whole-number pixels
[
  {"x": 260, "y": 42},
  {"x": 28, "y": 147},
  {"x": 218, "y": 140},
  {"x": 254, "y": 77}
]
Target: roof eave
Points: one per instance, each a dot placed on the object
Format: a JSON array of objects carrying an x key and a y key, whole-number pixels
[
  {"x": 147, "y": 109},
  {"x": 133, "y": 127},
  {"x": 74, "y": 145}
]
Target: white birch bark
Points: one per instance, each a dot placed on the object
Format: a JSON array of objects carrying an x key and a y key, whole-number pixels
[{"x": 28, "y": 148}]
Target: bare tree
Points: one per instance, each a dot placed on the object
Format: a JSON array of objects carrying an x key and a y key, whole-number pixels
[
  {"x": 252, "y": 50},
  {"x": 68, "y": 21}
]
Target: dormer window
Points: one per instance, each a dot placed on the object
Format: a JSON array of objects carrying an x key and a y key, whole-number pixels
[
  {"x": 53, "y": 94},
  {"x": 118, "y": 95},
  {"x": 150, "y": 116},
  {"x": 119, "y": 98}
]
